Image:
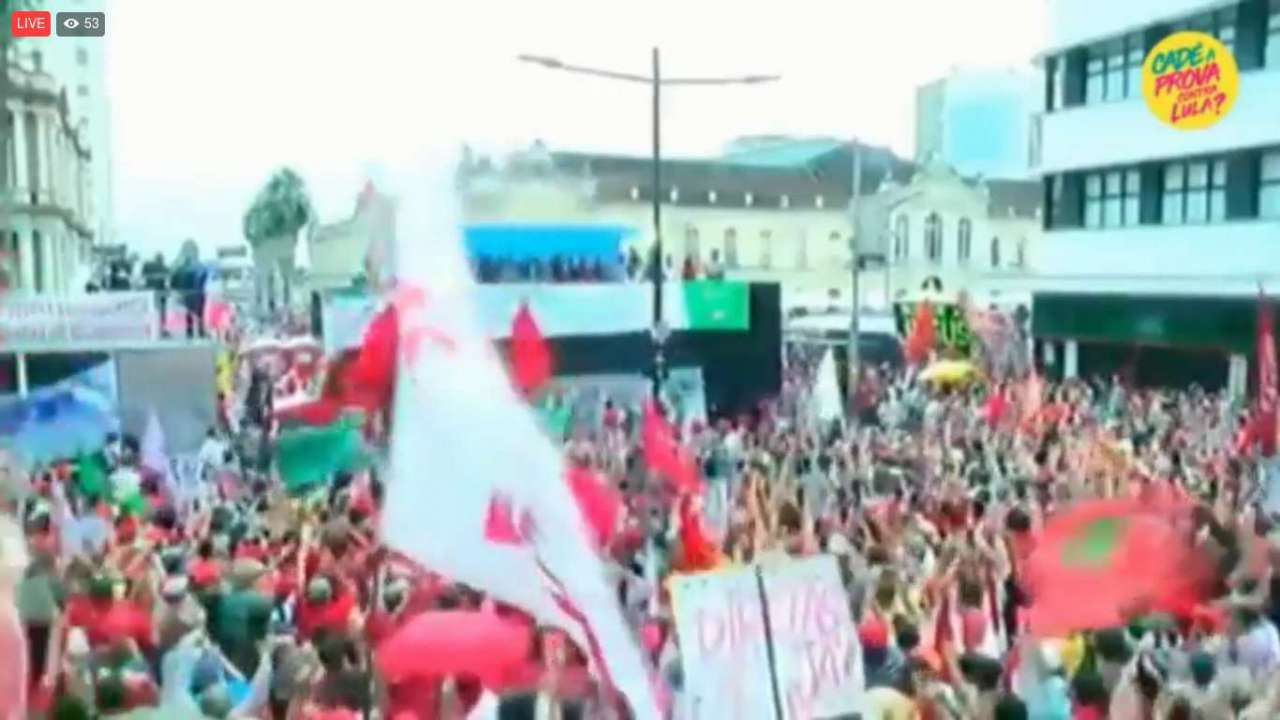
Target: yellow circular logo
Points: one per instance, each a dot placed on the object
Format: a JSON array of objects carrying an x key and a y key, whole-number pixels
[{"x": 1190, "y": 80}]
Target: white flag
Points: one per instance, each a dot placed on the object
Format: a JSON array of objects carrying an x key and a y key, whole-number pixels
[
  {"x": 466, "y": 449},
  {"x": 826, "y": 390},
  {"x": 152, "y": 452}
]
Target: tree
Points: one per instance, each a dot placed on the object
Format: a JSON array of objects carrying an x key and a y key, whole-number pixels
[{"x": 281, "y": 208}]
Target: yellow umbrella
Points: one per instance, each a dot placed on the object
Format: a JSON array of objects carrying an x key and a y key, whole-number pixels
[{"x": 950, "y": 372}]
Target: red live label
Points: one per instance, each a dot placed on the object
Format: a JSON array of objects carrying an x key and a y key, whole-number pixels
[{"x": 30, "y": 23}]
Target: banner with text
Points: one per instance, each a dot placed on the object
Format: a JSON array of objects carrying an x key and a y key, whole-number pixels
[
  {"x": 724, "y": 647},
  {"x": 33, "y": 324}
]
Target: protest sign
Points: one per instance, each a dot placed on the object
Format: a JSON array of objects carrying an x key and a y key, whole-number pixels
[{"x": 724, "y": 644}]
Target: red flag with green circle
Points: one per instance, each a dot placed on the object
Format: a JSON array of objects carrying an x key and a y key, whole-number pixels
[{"x": 1103, "y": 562}]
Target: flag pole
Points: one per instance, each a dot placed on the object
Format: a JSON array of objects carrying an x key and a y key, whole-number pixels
[{"x": 768, "y": 645}]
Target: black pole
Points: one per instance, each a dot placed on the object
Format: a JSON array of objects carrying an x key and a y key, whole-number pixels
[
  {"x": 658, "y": 331},
  {"x": 768, "y": 646}
]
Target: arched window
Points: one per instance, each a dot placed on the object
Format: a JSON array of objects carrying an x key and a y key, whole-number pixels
[
  {"x": 692, "y": 243},
  {"x": 731, "y": 248},
  {"x": 964, "y": 240},
  {"x": 901, "y": 237},
  {"x": 995, "y": 252},
  {"x": 766, "y": 249},
  {"x": 933, "y": 237}
]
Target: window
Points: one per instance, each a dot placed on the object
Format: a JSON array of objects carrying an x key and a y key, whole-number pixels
[
  {"x": 1020, "y": 253},
  {"x": 692, "y": 243},
  {"x": 747, "y": 199},
  {"x": 1273, "y": 36},
  {"x": 1194, "y": 192},
  {"x": 817, "y": 202},
  {"x": 802, "y": 251},
  {"x": 1114, "y": 69},
  {"x": 711, "y": 197},
  {"x": 1220, "y": 24},
  {"x": 731, "y": 248},
  {"x": 1111, "y": 198},
  {"x": 1269, "y": 187},
  {"x": 82, "y": 90},
  {"x": 933, "y": 237},
  {"x": 635, "y": 193},
  {"x": 675, "y": 194},
  {"x": 902, "y": 238},
  {"x": 995, "y": 252},
  {"x": 766, "y": 249},
  {"x": 1057, "y": 71},
  {"x": 785, "y": 202},
  {"x": 82, "y": 56},
  {"x": 964, "y": 240}
]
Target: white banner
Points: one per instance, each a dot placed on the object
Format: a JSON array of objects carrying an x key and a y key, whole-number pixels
[
  {"x": 720, "y": 623},
  {"x": 30, "y": 324}
]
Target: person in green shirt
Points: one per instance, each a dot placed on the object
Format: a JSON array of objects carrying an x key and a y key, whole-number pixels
[{"x": 241, "y": 617}]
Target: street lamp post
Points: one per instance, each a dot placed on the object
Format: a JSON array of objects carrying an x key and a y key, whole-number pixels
[{"x": 654, "y": 79}]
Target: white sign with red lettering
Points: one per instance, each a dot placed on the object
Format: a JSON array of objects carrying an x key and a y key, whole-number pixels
[{"x": 724, "y": 650}]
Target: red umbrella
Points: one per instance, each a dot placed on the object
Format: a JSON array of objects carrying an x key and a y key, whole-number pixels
[{"x": 449, "y": 642}]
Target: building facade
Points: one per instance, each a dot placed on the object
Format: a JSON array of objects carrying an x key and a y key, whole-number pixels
[
  {"x": 769, "y": 209},
  {"x": 47, "y": 232},
  {"x": 1154, "y": 237},
  {"x": 978, "y": 120},
  {"x": 80, "y": 65},
  {"x": 973, "y": 235}
]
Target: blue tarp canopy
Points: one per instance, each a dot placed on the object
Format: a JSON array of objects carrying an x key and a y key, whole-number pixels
[{"x": 516, "y": 242}]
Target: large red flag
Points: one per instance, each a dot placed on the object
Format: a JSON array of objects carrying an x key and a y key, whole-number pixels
[
  {"x": 1133, "y": 558},
  {"x": 921, "y": 337},
  {"x": 530, "y": 357},
  {"x": 1264, "y": 425}
]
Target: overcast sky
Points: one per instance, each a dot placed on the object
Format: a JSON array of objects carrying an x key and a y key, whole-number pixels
[{"x": 209, "y": 97}]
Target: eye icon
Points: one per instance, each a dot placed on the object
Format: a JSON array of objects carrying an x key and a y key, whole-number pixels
[{"x": 71, "y": 23}]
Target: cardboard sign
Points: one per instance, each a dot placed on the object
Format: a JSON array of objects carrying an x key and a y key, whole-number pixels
[{"x": 720, "y": 621}]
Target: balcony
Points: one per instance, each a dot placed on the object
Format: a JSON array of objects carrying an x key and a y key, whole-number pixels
[{"x": 1124, "y": 132}]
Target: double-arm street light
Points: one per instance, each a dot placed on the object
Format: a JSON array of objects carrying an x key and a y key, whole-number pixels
[{"x": 655, "y": 81}]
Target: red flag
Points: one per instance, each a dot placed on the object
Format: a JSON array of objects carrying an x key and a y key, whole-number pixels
[
  {"x": 530, "y": 357},
  {"x": 1031, "y": 400},
  {"x": 1133, "y": 558},
  {"x": 921, "y": 338},
  {"x": 1264, "y": 428},
  {"x": 599, "y": 503},
  {"x": 663, "y": 454},
  {"x": 698, "y": 552}
]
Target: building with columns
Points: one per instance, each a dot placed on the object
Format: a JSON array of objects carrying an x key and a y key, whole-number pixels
[{"x": 47, "y": 230}]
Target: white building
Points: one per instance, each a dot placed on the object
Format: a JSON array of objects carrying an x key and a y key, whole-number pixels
[
  {"x": 1154, "y": 236},
  {"x": 978, "y": 120},
  {"x": 47, "y": 233},
  {"x": 771, "y": 209},
  {"x": 973, "y": 235},
  {"x": 80, "y": 65}
]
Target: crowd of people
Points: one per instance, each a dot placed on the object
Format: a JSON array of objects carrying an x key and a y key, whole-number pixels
[{"x": 237, "y": 600}]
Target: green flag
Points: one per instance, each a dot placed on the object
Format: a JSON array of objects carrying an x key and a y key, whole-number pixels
[
  {"x": 556, "y": 416},
  {"x": 717, "y": 305},
  {"x": 309, "y": 456},
  {"x": 91, "y": 476}
]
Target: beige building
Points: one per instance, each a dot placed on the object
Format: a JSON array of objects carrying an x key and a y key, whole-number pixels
[
  {"x": 336, "y": 251},
  {"x": 769, "y": 209},
  {"x": 46, "y": 228}
]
